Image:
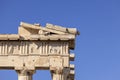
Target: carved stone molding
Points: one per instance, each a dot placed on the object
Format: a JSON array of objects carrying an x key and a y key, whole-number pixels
[
  {"x": 36, "y": 47},
  {"x": 32, "y": 48}
]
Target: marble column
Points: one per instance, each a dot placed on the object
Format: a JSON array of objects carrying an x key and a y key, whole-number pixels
[
  {"x": 25, "y": 74},
  {"x": 57, "y": 74}
]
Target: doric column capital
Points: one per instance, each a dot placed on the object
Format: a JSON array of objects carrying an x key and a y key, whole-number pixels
[
  {"x": 25, "y": 71},
  {"x": 57, "y": 70},
  {"x": 25, "y": 74}
]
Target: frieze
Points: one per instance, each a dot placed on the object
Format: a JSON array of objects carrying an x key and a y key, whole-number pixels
[{"x": 33, "y": 48}]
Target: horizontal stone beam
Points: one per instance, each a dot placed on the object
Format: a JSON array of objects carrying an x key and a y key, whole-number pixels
[
  {"x": 17, "y": 62},
  {"x": 30, "y": 62},
  {"x": 36, "y": 37},
  {"x": 9, "y": 37}
]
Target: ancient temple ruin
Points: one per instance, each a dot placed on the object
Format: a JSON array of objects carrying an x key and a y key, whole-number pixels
[{"x": 39, "y": 48}]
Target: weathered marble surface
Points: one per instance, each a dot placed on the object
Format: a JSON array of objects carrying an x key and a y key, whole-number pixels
[{"x": 36, "y": 47}]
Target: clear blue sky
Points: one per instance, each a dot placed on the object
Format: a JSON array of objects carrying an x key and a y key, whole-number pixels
[{"x": 97, "y": 48}]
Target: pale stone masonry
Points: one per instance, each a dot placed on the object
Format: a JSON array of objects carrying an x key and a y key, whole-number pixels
[{"x": 36, "y": 47}]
